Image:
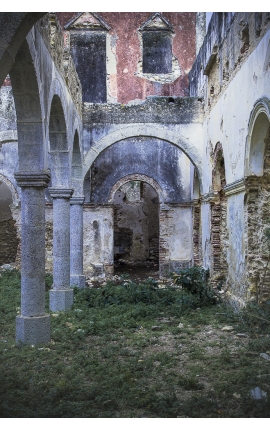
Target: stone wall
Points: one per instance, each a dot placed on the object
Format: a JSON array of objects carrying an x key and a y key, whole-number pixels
[{"x": 175, "y": 248}]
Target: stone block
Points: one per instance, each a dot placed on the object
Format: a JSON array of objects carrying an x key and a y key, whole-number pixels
[
  {"x": 61, "y": 300},
  {"x": 33, "y": 330},
  {"x": 77, "y": 281}
]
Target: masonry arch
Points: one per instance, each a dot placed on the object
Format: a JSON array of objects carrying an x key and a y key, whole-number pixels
[
  {"x": 153, "y": 131},
  {"x": 58, "y": 144},
  {"x": 137, "y": 177},
  {"x": 29, "y": 111},
  {"x": 12, "y": 189},
  {"x": 257, "y": 131},
  {"x": 257, "y": 200},
  {"x": 14, "y": 35}
]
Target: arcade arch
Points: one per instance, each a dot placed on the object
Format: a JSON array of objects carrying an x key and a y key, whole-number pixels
[{"x": 257, "y": 200}]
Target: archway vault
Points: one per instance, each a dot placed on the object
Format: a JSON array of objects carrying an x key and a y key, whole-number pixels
[{"x": 151, "y": 130}]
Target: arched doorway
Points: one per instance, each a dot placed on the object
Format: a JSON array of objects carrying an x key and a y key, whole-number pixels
[{"x": 136, "y": 227}]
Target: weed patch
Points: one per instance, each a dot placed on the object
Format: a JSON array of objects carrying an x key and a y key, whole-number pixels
[{"x": 106, "y": 359}]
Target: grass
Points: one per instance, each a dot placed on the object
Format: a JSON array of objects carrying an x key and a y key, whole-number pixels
[{"x": 105, "y": 360}]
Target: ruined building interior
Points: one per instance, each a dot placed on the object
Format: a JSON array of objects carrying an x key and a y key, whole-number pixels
[{"x": 137, "y": 139}]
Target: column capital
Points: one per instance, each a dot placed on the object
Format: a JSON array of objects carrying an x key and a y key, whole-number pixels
[
  {"x": 33, "y": 179},
  {"x": 61, "y": 193},
  {"x": 76, "y": 200}
]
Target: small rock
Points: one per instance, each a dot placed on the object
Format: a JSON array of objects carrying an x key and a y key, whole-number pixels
[
  {"x": 257, "y": 393},
  {"x": 227, "y": 328},
  {"x": 180, "y": 325},
  {"x": 265, "y": 356},
  {"x": 54, "y": 315},
  {"x": 70, "y": 325},
  {"x": 156, "y": 328},
  {"x": 236, "y": 395},
  {"x": 241, "y": 335}
]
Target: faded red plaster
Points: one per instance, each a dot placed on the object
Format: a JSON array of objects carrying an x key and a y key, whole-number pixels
[{"x": 128, "y": 52}]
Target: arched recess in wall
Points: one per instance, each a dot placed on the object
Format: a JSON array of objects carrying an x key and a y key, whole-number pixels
[
  {"x": 76, "y": 167},
  {"x": 257, "y": 200},
  {"x": 8, "y": 232},
  {"x": 219, "y": 231},
  {"x": 126, "y": 132},
  {"x": 59, "y": 154}
]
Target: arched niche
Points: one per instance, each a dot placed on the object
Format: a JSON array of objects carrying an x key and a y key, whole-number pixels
[
  {"x": 257, "y": 146},
  {"x": 58, "y": 149},
  {"x": 258, "y": 131}
]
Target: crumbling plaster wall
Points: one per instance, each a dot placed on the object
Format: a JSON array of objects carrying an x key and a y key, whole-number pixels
[
  {"x": 227, "y": 117},
  {"x": 98, "y": 255},
  {"x": 125, "y": 82}
]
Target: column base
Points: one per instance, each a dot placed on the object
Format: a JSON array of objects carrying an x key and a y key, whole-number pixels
[
  {"x": 61, "y": 300},
  {"x": 33, "y": 330},
  {"x": 77, "y": 281}
]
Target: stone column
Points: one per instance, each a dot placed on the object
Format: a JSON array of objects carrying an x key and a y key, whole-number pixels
[
  {"x": 61, "y": 295},
  {"x": 32, "y": 325},
  {"x": 76, "y": 242}
]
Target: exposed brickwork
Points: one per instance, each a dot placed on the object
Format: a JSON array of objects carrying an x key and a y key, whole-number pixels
[
  {"x": 219, "y": 230},
  {"x": 197, "y": 245}
]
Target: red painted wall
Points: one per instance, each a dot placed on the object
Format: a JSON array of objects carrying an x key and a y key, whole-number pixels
[{"x": 124, "y": 26}]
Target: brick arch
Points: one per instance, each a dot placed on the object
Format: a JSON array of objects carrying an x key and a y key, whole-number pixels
[
  {"x": 137, "y": 177},
  {"x": 148, "y": 131}
]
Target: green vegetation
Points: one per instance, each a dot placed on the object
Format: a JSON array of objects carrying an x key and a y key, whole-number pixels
[{"x": 136, "y": 350}]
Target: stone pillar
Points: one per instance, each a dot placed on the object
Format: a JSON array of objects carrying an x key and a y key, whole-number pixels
[
  {"x": 61, "y": 295},
  {"x": 32, "y": 325},
  {"x": 76, "y": 242}
]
